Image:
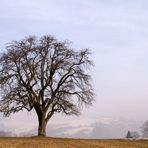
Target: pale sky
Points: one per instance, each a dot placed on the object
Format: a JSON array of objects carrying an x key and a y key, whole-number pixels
[{"x": 116, "y": 31}]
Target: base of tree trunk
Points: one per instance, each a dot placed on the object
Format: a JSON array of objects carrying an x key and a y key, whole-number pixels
[
  {"x": 41, "y": 135},
  {"x": 42, "y": 131}
]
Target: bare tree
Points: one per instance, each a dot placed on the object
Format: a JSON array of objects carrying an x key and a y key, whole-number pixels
[
  {"x": 45, "y": 75},
  {"x": 145, "y": 130}
]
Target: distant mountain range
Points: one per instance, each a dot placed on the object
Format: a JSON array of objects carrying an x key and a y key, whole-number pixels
[{"x": 101, "y": 128}]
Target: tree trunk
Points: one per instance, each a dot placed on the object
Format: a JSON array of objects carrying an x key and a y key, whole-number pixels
[{"x": 42, "y": 126}]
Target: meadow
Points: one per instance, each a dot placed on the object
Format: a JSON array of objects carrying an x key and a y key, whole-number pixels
[{"x": 36, "y": 142}]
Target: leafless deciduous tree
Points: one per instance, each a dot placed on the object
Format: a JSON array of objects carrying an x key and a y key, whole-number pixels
[
  {"x": 45, "y": 75},
  {"x": 145, "y": 129}
]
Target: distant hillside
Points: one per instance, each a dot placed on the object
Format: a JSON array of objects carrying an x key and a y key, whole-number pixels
[
  {"x": 6, "y": 134},
  {"x": 101, "y": 128},
  {"x": 104, "y": 128}
]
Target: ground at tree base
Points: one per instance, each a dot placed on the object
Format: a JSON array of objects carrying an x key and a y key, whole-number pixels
[{"x": 37, "y": 142}]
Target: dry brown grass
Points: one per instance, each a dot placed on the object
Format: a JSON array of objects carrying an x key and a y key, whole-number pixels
[{"x": 36, "y": 142}]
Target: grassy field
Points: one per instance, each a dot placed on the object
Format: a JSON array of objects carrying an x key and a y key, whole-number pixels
[{"x": 69, "y": 143}]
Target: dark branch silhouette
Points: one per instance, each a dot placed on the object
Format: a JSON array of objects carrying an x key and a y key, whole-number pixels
[{"x": 45, "y": 75}]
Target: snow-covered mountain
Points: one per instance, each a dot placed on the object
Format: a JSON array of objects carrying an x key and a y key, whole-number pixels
[{"x": 100, "y": 128}]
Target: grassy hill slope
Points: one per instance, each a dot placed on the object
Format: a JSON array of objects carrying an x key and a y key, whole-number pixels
[{"x": 69, "y": 143}]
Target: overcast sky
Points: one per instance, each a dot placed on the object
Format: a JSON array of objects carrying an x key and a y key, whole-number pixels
[{"x": 116, "y": 31}]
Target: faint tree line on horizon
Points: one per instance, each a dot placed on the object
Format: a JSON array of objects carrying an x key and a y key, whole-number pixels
[{"x": 135, "y": 134}]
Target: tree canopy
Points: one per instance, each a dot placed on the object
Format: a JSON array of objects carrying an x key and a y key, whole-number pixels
[{"x": 46, "y": 75}]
